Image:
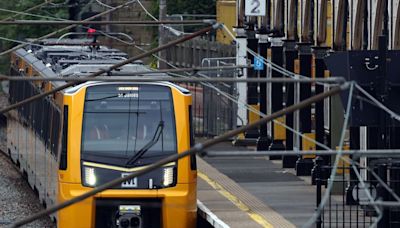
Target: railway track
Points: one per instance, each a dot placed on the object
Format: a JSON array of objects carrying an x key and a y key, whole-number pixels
[{"x": 17, "y": 199}]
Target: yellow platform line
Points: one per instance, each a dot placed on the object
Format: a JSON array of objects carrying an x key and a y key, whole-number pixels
[{"x": 239, "y": 204}]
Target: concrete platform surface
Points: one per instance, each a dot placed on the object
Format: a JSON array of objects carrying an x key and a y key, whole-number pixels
[{"x": 232, "y": 203}]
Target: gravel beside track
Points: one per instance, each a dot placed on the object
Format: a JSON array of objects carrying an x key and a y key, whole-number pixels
[{"x": 17, "y": 199}]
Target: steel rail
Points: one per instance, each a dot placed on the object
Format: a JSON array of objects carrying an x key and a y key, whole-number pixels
[
  {"x": 192, "y": 151},
  {"x": 85, "y": 22},
  {"x": 113, "y": 67},
  {"x": 68, "y": 27},
  {"x": 251, "y": 153},
  {"x": 132, "y": 78}
]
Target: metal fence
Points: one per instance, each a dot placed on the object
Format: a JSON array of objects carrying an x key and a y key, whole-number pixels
[
  {"x": 192, "y": 52},
  {"x": 348, "y": 204},
  {"x": 214, "y": 107},
  {"x": 213, "y": 112}
]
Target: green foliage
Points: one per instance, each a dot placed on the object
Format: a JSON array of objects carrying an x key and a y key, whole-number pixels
[
  {"x": 186, "y": 7},
  {"x": 191, "y": 6},
  {"x": 21, "y": 32}
]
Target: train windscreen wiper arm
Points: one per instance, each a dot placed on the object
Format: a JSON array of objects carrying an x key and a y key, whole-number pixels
[{"x": 150, "y": 144}]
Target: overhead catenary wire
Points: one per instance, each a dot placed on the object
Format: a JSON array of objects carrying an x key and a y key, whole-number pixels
[
  {"x": 103, "y": 4},
  {"x": 283, "y": 71},
  {"x": 252, "y": 153},
  {"x": 69, "y": 27},
  {"x": 113, "y": 67},
  {"x": 228, "y": 95},
  {"x": 233, "y": 99},
  {"x": 129, "y": 78},
  {"x": 332, "y": 176},
  {"x": 277, "y": 122},
  {"x": 268, "y": 62},
  {"x": 174, "y": 31},
  {"x": 85, "y": 22},
  {"x": 293, "y": 75},
  {"x": 192, "y": 151},
  {"x": 25, "y": 14},
  {"x": 291, "y": 129},
  {"x": 46, "y": 2}
]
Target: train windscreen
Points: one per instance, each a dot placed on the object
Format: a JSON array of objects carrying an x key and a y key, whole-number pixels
[{"x": 128, "y": 125}]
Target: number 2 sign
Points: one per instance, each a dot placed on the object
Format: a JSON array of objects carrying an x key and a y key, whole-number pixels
[{"x": 255, "y": 7}]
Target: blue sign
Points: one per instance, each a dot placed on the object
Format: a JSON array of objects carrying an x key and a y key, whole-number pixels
[{"x": 258, "y": 63}]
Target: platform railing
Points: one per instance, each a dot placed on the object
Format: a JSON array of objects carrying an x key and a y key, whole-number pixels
[{"x": 348, "y": 205}]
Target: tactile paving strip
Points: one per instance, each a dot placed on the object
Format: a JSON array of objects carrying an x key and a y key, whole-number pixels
[{"x": 257, "y": 207}]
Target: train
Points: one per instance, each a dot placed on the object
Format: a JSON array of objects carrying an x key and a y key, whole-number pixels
[{"x": 84, "y": 136}]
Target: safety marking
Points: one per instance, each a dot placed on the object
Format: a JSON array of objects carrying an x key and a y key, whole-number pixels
[
  {"x": 209, "y": 216},
  {"x": 239, "y": 204}
]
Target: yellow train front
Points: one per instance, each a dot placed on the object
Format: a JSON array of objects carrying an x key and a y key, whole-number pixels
[
  {"x": 111, "y": 130},
  {"x": 116, "y": 129}
]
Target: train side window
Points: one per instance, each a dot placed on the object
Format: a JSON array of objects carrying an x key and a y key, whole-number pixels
[
  {"x": 45, "y": 122},
  {"x": 50, "y": 125},
  {"x": 16, "y": 91},
  {"x": 55, "y": 129},
  {"x": 51, "y": 128},
  {"x": 64, "y": 141},
  {"x": 21, "y": 96},
  {"x": 11, "y": 92},
  {"x": 31, "y": 104},
  {"x": 39, "y": 116},
  {"x": 193, "y": 164}
]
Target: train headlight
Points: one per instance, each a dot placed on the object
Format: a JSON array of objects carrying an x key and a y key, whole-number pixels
[
  {"x": 168, "y": 176},
  {"x": 90, "y": 176}
]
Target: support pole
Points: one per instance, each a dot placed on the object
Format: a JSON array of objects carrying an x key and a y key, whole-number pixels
[
  {"x": 305, "y": 163},
  {"x": 320, "y": 69},
  {"x": 241, "y": 58},
  {"x": 252, "y": 88},
  {"x": 290, "y": 55},
  {"x": 263, "y": 140},
  {"x": 162, "y": 33},
  {"x": 278, "y": 132}
]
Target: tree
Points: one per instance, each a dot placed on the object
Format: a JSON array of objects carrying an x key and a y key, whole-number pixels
[
  {"x": 21, "y": 32},
  {"x": 191, "y": 6}
]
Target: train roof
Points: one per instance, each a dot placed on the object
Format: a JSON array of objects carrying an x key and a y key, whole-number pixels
[{"x": 80, "y": 58}]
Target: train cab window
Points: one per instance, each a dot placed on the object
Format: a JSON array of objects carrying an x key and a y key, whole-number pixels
[
  {"x": 64, "y": 140},
  {"x": 193, "y": 163},
  {"x": 119, "y": 121}
]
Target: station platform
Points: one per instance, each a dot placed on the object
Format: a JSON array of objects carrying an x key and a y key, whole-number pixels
[{"x": 252, "y": 192}]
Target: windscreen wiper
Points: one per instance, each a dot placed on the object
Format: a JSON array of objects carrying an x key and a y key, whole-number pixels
[{"x": 150, "y": 144}]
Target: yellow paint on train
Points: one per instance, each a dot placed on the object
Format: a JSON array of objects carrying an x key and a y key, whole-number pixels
[{"x": 166, "y": 196}]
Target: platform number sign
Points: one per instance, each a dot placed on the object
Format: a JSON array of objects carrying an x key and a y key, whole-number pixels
[
  {"x": 255, "y": 8},
  {"x": 258, "y": 63}
]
